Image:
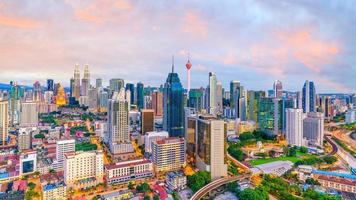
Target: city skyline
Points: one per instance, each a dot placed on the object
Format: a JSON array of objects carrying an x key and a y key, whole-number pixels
[{"x": 263, "y": 42}]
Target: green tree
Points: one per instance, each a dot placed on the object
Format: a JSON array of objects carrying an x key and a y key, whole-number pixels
[
  {"x": 39, "y": 136},
  {"x": 246, "y": 136},
  {"x": 131, "y": 185},
  {"x": 292, "y": 152},
  {"x": 144, "y": 187},
  {"x": 252, "y": 194},
  {"x": 175, "y": 196},
  {"x": 303, "y": 149},
  {"x": 312, "y": 181},
  {"x": 198, "y": 180},
  {"x": 330, "y": 159},
  {"x": 146, "y": 197},
  {"x": 232, "y": 187},
  {"x": 30, "y": 195},
  {"x": 31, "y": 185},
  {"x": 155, "y": 197}
]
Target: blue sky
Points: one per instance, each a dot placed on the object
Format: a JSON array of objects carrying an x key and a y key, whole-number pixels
[{"x": 253, "y": 41}]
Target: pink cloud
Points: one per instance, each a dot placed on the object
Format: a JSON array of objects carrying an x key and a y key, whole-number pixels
[
  {"x": 17, "y": 22},
  {"x": 194, "y": 25},
  {"x": 123, "y": 5}
]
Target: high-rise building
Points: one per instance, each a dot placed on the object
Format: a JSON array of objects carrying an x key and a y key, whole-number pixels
[
  {"x": 173, "y": 105},
  {"x": 131, "y": 88},
  {"x": 270, "y": 116},
  {"x": 153, "y": 136},
  {"x": 83, "y": 169},
  {"x": 118, "y": 119},
  {"x": 24, "y": 138},
  {"x": 212, "y": 94},
  {"x": 147, "y": 120},
  {"x": 313, "y": 128},
  {"x": 98, "y": 83},
  {"x": 37, "y": 92},
  {"x": 50, "y": 85},
  {"x": 196, "y": 99},
  {"x": 294, "y": 126},
  {"x": 4, "y": 121},
  {"x": 61, "y": 97},
  {"x": 253, "y": 102},
  {"x": 211, "y": 145},
  {"x": 309, "y": 97},
  {"x": 93, "y": 99},
  {"x": 15, "y": 94},
  {"x": 76, "y": 83},
  {"x": 140, "y": 95},
  {"x": 234, "y": 92},
  {"x": 116, "y": 84},
  {"x": 168, "y": 154},
  {"x": 190, "y": 131},
  {"x": 85, "y": 82},
  {"x": 157, "y": 103},
  {"x": 28, "y": 114},
  {"x": 103, "y": 100},
  {"x": 277, "y": 89},
  {"x": 299, "y": 100},
  {"x": 242, "y": 108},
  {"x": 219, "y": 98},
  {"x": 350, "y": 116},
  {"x": 63, "y": 147}
]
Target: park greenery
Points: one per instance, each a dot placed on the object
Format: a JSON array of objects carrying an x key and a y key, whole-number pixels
[
  {"x": 350, "y": 127},
  {"x": 247, "y": 138},
  {"x": 235, "y": 151},
  {"x": 312, "y": 181},
  {"x": 48, "y": 119},
  {"x": 31, "y": 194},
  {"x": 330, "y": 159},
  {"x": 233, "y": 169},
  {"x": 198, "y": 180},
  {"x": 39, "y": 136},
  {"x": 143, "y": 188},
  {"x": 85, "y": 146},
  {"x": 253, "y": 194}
]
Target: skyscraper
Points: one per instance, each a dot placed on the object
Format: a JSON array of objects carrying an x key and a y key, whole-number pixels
[
  {"x": 85, "y": 81},
  {"x": 4, "y": 121},
  {"x": 37, "y": 89},
  {"x": 196, "y": 99},
  {"x": 219, "y": 98},
  {"x": 28, "y": 114},
  {"x": 234, "y": 93},
  {"x": 140, "y": 95},
  {"x": 147, "y": 120},
  {"x": 211, "y": 146},
  {"x": 116, "y": 84},
  {"x": 294, "y": 126},
  {"x": 131, "y": 87},
  {"x": 50, "y": 85},
  {"x": 277, "y": 89},
  {"x": 253, "y": 103},
  {"x": 309, "y": 97},
  {"x": 270, "y": 115},
  {"x": 157, "y": 103},
  {"x": 313, "y": 127},
  {"x": 118, "y": 119},
  {"x": 76, "y": 83},
  {"x": 98, "y": 83},
  {"x": 173, "y": 105},
  {"x": 212, "y": 93}
]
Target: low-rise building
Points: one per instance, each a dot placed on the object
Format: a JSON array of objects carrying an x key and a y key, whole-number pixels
[
  {"x": 277, "y": 168},
  {"x": 54, "y": 191},
  {"x": 126, "y": 171},
  {"x": 176, "y": 181},
  {"x": 118, "y": 195}
]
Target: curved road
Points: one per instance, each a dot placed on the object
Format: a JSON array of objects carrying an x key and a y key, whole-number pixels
[
  {"x": 333, "y": 145},
  {"x": 216, "y": 184}
]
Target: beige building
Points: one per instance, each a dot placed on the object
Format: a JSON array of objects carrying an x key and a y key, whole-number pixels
[
  {"x": 28, "y": 114},
  {"x": 56, "y": 191},
  {"x": 83, "y": 169},
  {"x": 4, "y": 121}
]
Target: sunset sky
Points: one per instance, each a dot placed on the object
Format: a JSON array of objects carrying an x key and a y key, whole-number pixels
[{"x": 253, "y": 41}]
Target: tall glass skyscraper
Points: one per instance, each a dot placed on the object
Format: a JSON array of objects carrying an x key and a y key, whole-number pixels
[
  {"x": 140, "y": 95},
  {"x": 50, "y": 85},
  {"x": 173, "y": 106},
  {"x": 131, "y": 87},
  {"x": 309, "y": 97}
]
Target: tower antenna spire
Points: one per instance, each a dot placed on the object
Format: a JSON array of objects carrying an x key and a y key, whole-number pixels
[{"x": 172, "y": 63}]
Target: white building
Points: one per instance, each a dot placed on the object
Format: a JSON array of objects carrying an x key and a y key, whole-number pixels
[
  {"x": 122, "y": 172},
  {"x": 176, "y": 181},
  {"x": 277, "y": 167},
  {"x": 313, "y": 128},
  {"x": 294, "y": 127},
  {"x": 28, "y": 162},
  {"x": 28, "y": 114},
  {"x": 212, "y": 93},
  {"x": 63, "y": 147},
  {"x": 83, "y": 169},
  {"x": 4, "y": 121},
  {"x": 153, "y": 136},
  {"x": 25, "y": 136},
  {"x": 350, "y": 116}
]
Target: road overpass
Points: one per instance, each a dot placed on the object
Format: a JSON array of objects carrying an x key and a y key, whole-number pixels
[{"x": 216, "y": 184}]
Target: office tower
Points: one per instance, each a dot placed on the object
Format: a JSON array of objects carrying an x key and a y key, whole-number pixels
[
  {"x": 219, "y": 98},
  {"x": 71, "y": 87},
  {"x": 28, "y": 114},
  {"x": 63, "y": 147},
  {"x": 76, "y": 83},
  {"x": 153, "y": 136},
  {"x": 4, "y": 121},
  {"x": 103, "y": 100},
  {"x": 190, "y": 131},
  {"x": 211, "y": 146},
  {"x": 147, "y": 102},
  {"x": 350, "y": 116},
  {"x": 313, "y": 128},
  {"x": 79, "y": 166},
  {"x": 15, "y": 94},
  {"x": 147, "y": 120},
  {"x": 131, "y": 88},
  {"x": 61, "y": 97},
  {"x": 234, "y": 93},
  {"x": 85, "y": 82},
  {"x": 212, "y": 93},
  {"x": 55, "y": 88},
  {"x": 128, "y": 98},
  {"x": 277, "y": 89},
  {"x": 294, "y": 126},
  {"x": 157, "y": 103},
  {"x": 116, "y": 84},
  {"x": 173, "y": 105},
  {"x": 188, "y": 66},
  {"x": 168, "y": 154},
  {"x": 242, "y": 108},
  {"x": 24, "y": 138},
  {"x": 93, "y": 99},
  {"x": 196, "y": 99},
  {"x": 253, "y": 102},
  {"x": 48, "y": 97},
  {"x": 98, "y": 83},
  {"x": 37, "y": 90},
  {"x": 326, "y": 106},
  {"x": 299, "y": 100},
  {"x": 118, "y": 119},
  {"x": 50, "y": 85},
  {"x": 140, "y": 95},
  {"x": 270, "y": 115},
  {"x": 286, "y": 103},
  {"x": 309, "y": 97}
]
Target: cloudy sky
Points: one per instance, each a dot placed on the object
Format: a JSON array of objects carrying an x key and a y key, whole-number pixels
[{"x": 253, "y": 41}]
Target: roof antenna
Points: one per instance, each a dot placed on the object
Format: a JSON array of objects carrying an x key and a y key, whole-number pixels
[{"x": 172, "y": 63}]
